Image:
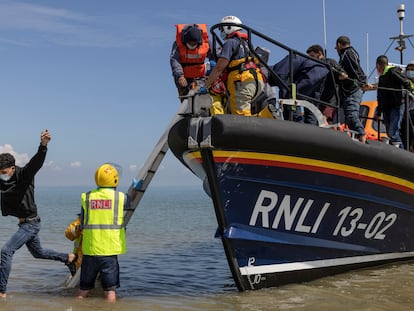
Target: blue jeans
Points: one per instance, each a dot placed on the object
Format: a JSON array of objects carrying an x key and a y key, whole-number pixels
[
  {"x": 106, "y": 266},
  {"x": 350, "y": 104},
  {"x": 392, "y": 121},
  {"x": 26, "y": 234}
]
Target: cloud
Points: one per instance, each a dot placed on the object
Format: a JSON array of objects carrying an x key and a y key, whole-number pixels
[
  {"x": 75, "y": 164},
  {"x": 52, "y": 165},
  {"x": 133, "y": 167},
  {"x": 26, "y": 24},
  {"x": 26, "y": 16},
  {"x": 21, "y": 158}
]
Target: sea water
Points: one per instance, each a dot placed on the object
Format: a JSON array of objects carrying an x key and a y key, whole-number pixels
[{"x": 174, "y": 262}]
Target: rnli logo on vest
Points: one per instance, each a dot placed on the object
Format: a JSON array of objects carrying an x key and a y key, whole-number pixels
[{"x": 101, "y": 204}]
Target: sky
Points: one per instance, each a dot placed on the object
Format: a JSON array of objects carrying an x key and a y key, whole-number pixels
[{"x": 96, "y": 73}]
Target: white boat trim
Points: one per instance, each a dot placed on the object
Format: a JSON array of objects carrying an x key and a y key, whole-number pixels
[{"x": 315, "y": 264}]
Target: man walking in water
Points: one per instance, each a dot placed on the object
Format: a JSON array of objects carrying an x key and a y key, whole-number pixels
[{"x": 17, "y": 199}]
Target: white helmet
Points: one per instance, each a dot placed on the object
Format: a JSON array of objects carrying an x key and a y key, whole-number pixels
[{"x": 230, "y": 29}]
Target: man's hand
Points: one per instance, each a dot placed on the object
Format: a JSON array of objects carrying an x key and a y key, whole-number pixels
[
  {"x": 369, "y": 87},
  {"x": 182, "y": 81},
  {"x": 137, "y": 184},
  {"x": 342, "y": 76},
  {"x": 45, "y": 137}
]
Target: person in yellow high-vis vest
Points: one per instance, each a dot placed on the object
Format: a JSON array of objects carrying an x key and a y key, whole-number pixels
[{"x": 103, "y": 233}]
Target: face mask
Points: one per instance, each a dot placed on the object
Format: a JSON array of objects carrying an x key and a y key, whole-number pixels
[
  {"x": 223, "y": 35},
  {"x": 410, "y": 73},
  {"x": 191, "y": 47},
  {"x": 5, "y": 177}
]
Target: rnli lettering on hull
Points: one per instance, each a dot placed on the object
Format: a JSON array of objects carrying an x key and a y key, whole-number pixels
[
  {"x": 282, "y": 212},
  {"x": 293, "y": 215}
]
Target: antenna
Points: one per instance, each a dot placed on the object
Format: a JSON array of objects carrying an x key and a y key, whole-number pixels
[
  {"x": 367, "y": 43},
  {"x": 401, "y": 37},
  {"x": 324, "y": 26}
]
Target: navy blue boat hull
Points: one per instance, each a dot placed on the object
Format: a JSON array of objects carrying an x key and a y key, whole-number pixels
[{"x": 296, "y": 202}]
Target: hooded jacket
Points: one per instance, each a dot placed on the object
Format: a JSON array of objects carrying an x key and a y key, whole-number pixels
[
  {"x": 390, "y": 85},
  {"x": 349, "y": 61},
  {"x": 17, "y": 194}
]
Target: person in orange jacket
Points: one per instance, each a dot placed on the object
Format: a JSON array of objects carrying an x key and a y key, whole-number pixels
[{"x": 188, "y": 56}]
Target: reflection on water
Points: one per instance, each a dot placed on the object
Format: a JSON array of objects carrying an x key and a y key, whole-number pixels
[{"x": 175, "y": 263}]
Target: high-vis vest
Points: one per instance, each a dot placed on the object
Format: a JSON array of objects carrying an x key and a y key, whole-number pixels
[
  {"x": 103, "y": 228},
  {"x": 193, "y": 60}
]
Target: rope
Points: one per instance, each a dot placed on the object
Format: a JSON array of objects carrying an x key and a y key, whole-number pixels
[{"x": 377, "y": 87}]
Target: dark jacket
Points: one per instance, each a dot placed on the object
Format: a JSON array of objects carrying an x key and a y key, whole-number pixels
[
  {"x": 349, "y": 61},
  {"x": 17, "y": 194},
  {"x": 392, "y": 78},
  {"x": 308, "y": 75},
  {"x": 331, "y": 83}
]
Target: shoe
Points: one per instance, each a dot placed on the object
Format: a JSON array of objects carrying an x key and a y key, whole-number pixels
[
  {"x": 363, "y": 138},
  {"x": 72, "y": 265}
]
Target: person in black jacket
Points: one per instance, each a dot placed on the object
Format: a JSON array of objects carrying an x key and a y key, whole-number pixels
[
  {"x": 352, "y": 88},
  {"x": 17, "y": 199},
  {"x": 391, "y": 95}
]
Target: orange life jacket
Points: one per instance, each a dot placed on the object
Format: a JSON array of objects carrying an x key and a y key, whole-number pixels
[
  {"x": 193, "y": 60},
  {"x": 241, "y": 35}
]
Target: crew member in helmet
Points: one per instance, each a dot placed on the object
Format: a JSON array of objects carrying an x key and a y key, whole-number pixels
[
  {"x": 188, "y": 56},
  {"x": 244, "y": 79},
  {"x": 103, "y": 233}
]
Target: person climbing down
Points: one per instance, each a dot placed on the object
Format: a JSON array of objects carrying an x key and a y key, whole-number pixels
[{"x": 188, "y": 56}]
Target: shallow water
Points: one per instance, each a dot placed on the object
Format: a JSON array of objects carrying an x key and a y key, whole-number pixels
[{"x": 175, "y": 263}]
